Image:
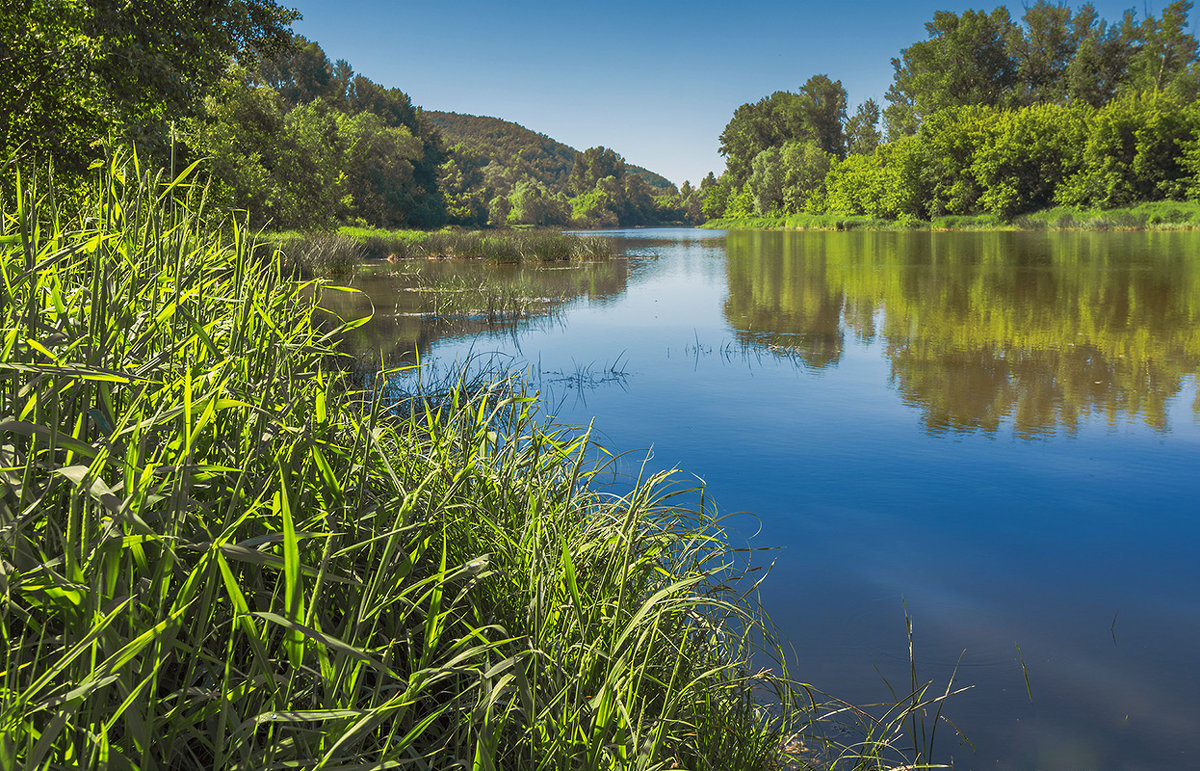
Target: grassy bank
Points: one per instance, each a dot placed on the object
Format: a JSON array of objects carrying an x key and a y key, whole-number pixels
[
  {"x": 336, "y": 254},
  {"x": 1155, "y": 215}
]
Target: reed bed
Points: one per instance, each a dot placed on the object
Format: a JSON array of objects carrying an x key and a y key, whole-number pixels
[{"x": 500, "y": 246}]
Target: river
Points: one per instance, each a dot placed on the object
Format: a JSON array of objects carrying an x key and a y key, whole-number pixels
[{"x": 995, "y": 433}]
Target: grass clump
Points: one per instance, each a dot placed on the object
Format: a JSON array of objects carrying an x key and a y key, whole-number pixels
[{"x": 218, "y": 552}]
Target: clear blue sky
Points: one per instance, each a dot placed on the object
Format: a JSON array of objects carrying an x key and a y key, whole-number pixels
[{"x": 655, "y": 81}]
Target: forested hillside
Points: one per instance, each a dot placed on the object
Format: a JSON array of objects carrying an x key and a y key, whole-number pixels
[
  {"x": 988, "y": 115},
  {"x": 512, "y": 146},
  {"x": 293, "y": 139}
]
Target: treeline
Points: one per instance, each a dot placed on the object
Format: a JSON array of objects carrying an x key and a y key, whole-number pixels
[
  {"x": 987, "y": 115},
  {"x": 307, "y": 143},
  {"x": 517, "y": 173},
  {"x": 296, "y": 140}
]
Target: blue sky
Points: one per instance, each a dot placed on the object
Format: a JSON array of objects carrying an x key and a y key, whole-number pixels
[{"x": 655, "y": 81}]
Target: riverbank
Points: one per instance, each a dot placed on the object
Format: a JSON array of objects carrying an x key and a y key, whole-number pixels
[{"x": 1155, "y": 215}]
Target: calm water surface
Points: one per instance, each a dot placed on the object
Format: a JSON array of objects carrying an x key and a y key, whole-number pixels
[{"x": 999, "y": 432}]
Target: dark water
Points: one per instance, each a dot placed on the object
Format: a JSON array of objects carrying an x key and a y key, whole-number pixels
[{"x": 998, "y": 432}]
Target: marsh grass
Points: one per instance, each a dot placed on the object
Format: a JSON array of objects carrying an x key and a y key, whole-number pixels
[
  {"x": 324, "y": 255},
  {"x": 506, "y": 246}
]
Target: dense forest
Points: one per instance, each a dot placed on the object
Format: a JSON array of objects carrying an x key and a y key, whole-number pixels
[
  {"x": 524, "y": 177},
  {"x": 308, "y": 143},
  {"x": 292, "y": 138},
  {"x": 513, "y": 146},
  {"x": 988, "y": 115}
]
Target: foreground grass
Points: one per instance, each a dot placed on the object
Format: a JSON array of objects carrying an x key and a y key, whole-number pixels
[
  {"x": 220, "y": 550},
  {"x": 1154, "y": 215}
]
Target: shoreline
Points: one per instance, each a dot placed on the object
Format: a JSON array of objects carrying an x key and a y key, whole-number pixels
[{"x": 1148, "y": 216}]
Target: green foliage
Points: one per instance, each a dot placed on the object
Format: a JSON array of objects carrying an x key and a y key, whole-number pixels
[
  {"x": 862, "y": 129},
  {"x": 815, "y": 114},
  {"x": 1135, "y": 152},
  {"x": 77, "y": 72},
  {"x": 715, "y": 195},
  {"x": 605, "y": 190},
  {"x": 965, "y": 61},
  {"x": 532, "y": 204},
  {"x": 889, "y": 182},
  {"x": 785, "y": 179},
  {"x": 740, "y": 202},
  {"x": 1025, "y": 154},
  {"x": 593, "y": 165},
  {"x": 355, "y": 151},
  {"x": 1052, "y": 56},
  {"x": 511, "y": 148}
]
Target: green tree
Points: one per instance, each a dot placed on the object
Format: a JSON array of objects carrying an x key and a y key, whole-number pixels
[
  {"x": 965, "y": 61},
  {"x": 949, "y": 140},
  {"x": 1101, "y": 61},
  {"x": 461, "y": 181},
  {"x": 1166, "y": 50},
  {"x": 531, "y": 204},
  {"x": 593, "y": 165},
  {"x": 1043, "y": 51},
  {"x": 1024, "y": 155},
  {"x": 715, "y": 195},
  {"x": 379, "y": 165},
  {"x": 756, "y": 126},
  {"x": 862, "y": 129},
  {"x": 1134, "y": 152},
  {"x": 805, "y": 166},
  {"x": 76, "y": 72},
  {"x": 824, "y": 104},
  {"x": 239, "y": 133},
  {"x": 766, "y": 181},
  {"x": 300, "y": 73}
]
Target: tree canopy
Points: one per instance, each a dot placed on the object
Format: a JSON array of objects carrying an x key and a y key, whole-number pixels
[{"x": 76, "y": 72}]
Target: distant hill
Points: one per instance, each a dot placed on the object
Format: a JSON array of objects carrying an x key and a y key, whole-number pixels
[{"x": 511, "y": 145}]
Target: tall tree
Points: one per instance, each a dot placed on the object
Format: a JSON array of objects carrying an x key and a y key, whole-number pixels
[
  {"x": 824, "y": 104},
  {"x": 593, "y": 165},
  {"x": 965, "y": 61},
  {"x": 862, "y": 130},
  {"x": 1043, "y": 51},
  {"x": 72, "y": 73},
  {"x": 1101, "y": 60},
  {"x": 300, "y": 73},
  {"x": 1166, "y": 49}
]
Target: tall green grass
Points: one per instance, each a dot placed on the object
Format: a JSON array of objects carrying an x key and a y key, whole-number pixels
[{"x": 220, "y": 551}]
